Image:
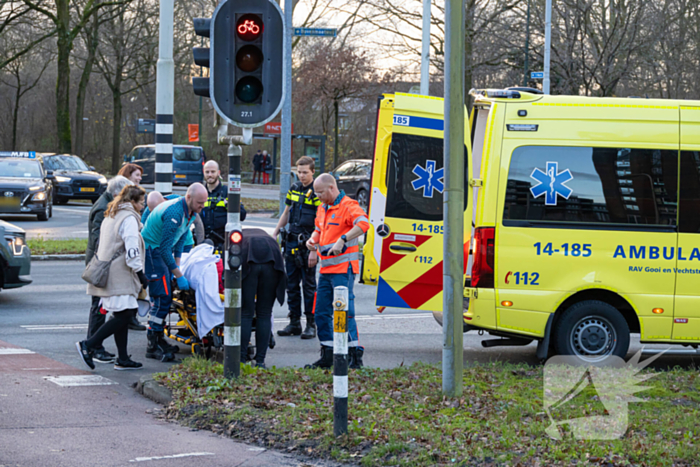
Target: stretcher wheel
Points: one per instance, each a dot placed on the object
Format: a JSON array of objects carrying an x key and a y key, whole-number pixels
[{"x": 197, "y": 349}]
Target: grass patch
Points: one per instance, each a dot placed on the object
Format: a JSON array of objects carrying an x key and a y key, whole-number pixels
[
  {"x": 399, "y": 416},
  {"x": 41, "y": 246},
  {"x": 260, "y": 205}
]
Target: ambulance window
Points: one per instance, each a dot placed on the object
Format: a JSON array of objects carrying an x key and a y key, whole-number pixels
[
  {"x": 621, "y": 186},
  {"x": 412, "y": 159},
  {"x": 689, "y": 206}
]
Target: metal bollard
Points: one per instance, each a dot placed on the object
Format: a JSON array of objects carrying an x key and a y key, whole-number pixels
[{"x": 340, "y": 361}]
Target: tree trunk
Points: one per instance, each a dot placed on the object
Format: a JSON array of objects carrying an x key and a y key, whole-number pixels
[
  {"x": 82, "y": 86},
  {"x": 116, "y": 125},
  {"x": 65, "y": 44},
  {"x": 335, "y": 139},
  {"x": 15, "y": 113}
]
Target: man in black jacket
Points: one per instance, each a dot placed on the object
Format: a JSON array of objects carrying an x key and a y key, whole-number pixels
[
  {"x": 97, "y": 215},
  {"x": 257, "y": 166}
]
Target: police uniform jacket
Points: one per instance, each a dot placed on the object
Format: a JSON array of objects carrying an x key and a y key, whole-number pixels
[{"x": 303, "y": 204}]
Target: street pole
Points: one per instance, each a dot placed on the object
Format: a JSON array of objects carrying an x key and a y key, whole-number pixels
[
  {"x": 425, "y": 53},
  {"x": 165, "y": 89},
  {"x": 453, "y": 200},
  {"x": 527, "y": 44},
  {"x": 286, "y": 133},
  {"x": 547, "y": 44},
  {"x": 340, "y": 361},
  {"x": 232, "y": 278}
]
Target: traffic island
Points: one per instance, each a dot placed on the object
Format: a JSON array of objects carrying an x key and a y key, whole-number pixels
[{"x": 400, "y": 417}]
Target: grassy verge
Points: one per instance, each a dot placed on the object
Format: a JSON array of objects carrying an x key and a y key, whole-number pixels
[
  {"x": 40, "y": 246},
  {"x": 260, "y": 205},
  {"x": 399, "y": 417}
]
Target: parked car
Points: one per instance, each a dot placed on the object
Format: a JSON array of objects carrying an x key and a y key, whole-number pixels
[
  {"x": 25, "y": 188},
  {"x": 73, "y": 178},
  {"x": 354, "y": 177},
  {"x": 188, "y": 163},
  {"x": 15, "y": 258}
]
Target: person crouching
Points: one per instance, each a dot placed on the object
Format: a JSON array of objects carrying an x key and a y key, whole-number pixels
[{"x": 119, "y": 239}]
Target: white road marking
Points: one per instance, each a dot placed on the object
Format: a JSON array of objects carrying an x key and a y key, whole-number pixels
[
  {"x": 80, "y": 380},
  {"x": 174, "y": 456},
  {"x": 81, "y": 211},
  {"x": 59, "y": 327},
  {"x": 13, "y": 351},
  {"x": 34, "y": 369},
  {"x": 53, "y": 327}
]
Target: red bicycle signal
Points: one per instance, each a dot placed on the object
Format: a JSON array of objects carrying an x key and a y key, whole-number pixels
[{"x": 249, "y": 27}]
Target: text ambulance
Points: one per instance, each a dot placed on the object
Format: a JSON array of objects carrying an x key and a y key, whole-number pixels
[{"x": 585, "y": 215}]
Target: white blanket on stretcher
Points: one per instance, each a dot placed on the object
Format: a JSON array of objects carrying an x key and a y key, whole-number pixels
[{"x": 199, "y": 267}]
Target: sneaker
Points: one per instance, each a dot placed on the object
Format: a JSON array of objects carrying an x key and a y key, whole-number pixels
[
  {"x": 102, "y": 356},
  {"x": 85, "y": 354},
  {"x": 127, "y": 364},
  {"x": 260, "y": 365}
]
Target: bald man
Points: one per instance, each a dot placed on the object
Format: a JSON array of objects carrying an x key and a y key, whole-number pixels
[
  {"x": 340, "y": 221},
  {"x": 164, "y": 235},
  {"x": 215, "y": 212}
]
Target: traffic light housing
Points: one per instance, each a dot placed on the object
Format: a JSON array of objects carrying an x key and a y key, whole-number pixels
[
  {"x": 235, "y": 250},
  {"x": 202, "y": 27},
  {"x": 246, "y": 60}
]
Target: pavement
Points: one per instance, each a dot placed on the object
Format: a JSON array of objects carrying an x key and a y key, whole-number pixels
[{"x": 54, "y": 411}]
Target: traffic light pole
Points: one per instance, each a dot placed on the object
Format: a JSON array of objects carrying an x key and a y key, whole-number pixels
[
  {"x": 453, "y": 201},
  {"x": 165, "y": 90},
  {"x": 232, "y": 278},
  {"x": 286, "y": 131}
]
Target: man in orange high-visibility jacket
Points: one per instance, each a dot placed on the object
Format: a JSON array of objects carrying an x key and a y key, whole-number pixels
[{"x": 340, "y": 221}]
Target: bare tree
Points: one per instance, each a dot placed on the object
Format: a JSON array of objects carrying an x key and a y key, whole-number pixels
[
  {"x": 127, "y": 38},
  {"x": 23, "y": 75},
  {"x": 67, "y": 25}
]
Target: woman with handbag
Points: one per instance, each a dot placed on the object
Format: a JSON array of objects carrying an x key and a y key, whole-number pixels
[{"x": 120, "y": 257}]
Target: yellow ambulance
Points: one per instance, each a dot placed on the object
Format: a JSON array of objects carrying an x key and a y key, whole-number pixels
[{"x": 582, "y": 218}]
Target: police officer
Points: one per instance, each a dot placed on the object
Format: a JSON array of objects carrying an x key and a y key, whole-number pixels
[
  {"x": 215, "y": 210},
  {"x": 300, "y": 263},
  {"x": 340, "y": 222}
]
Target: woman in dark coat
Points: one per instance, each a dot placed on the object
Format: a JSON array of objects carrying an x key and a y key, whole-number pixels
[
  {"x": 257, "y": 167},
  {"x": 264, "y": 280}
]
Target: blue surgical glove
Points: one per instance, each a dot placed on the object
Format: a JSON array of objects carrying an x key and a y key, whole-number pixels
[{"x": 182, "y": 283}]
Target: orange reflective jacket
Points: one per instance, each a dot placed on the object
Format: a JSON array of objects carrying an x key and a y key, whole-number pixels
[{"x": 335, "y": 220}]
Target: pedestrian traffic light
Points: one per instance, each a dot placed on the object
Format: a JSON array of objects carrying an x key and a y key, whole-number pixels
[
  {"x": 246, "y": 56},
  {"x": 235, "y": 250},
  {"x": 201, "y": 56}
]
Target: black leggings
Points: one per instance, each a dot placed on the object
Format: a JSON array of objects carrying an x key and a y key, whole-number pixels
[
  {"x": 261, "y": 281},
  {"x": 119, "y": 326}
]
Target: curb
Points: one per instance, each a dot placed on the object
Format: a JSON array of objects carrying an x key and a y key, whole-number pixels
[
  {"x": 77, "y": 257},
  {"x": 149, "y": 388}
]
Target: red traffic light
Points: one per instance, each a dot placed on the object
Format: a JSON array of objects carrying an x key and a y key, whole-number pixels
[
  {"x": 249, "y": 27},
  {"x": 236, "y": 237}
]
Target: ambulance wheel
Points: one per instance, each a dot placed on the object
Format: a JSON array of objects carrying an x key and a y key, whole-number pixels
[{"x": 593, "y": 331}]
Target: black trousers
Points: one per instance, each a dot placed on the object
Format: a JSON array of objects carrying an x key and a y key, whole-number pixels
[
  {"x": 96, "y": 319},
  {"x": 119, "y": 327},
  {"x": 296, "y": 277},
  {"x": 259, "y": 289}
]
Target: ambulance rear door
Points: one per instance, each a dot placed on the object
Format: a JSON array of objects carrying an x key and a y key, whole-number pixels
[{"x": 411, "y": 265}]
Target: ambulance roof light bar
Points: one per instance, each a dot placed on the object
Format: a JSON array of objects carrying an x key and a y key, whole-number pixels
[{"x": 508, "y": 93}]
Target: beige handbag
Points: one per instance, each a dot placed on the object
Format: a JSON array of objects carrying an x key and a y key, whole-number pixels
[{"x": 97, "y": 271}]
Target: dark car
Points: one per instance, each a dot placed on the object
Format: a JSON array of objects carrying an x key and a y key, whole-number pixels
[
  {"x": 354, "y": 178},
  {"x": 73, "y": 178},
  {"x": 15, "y": 258},
  {"x": 188, "y": 163},
  {"x": 25, "y": 188}
]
